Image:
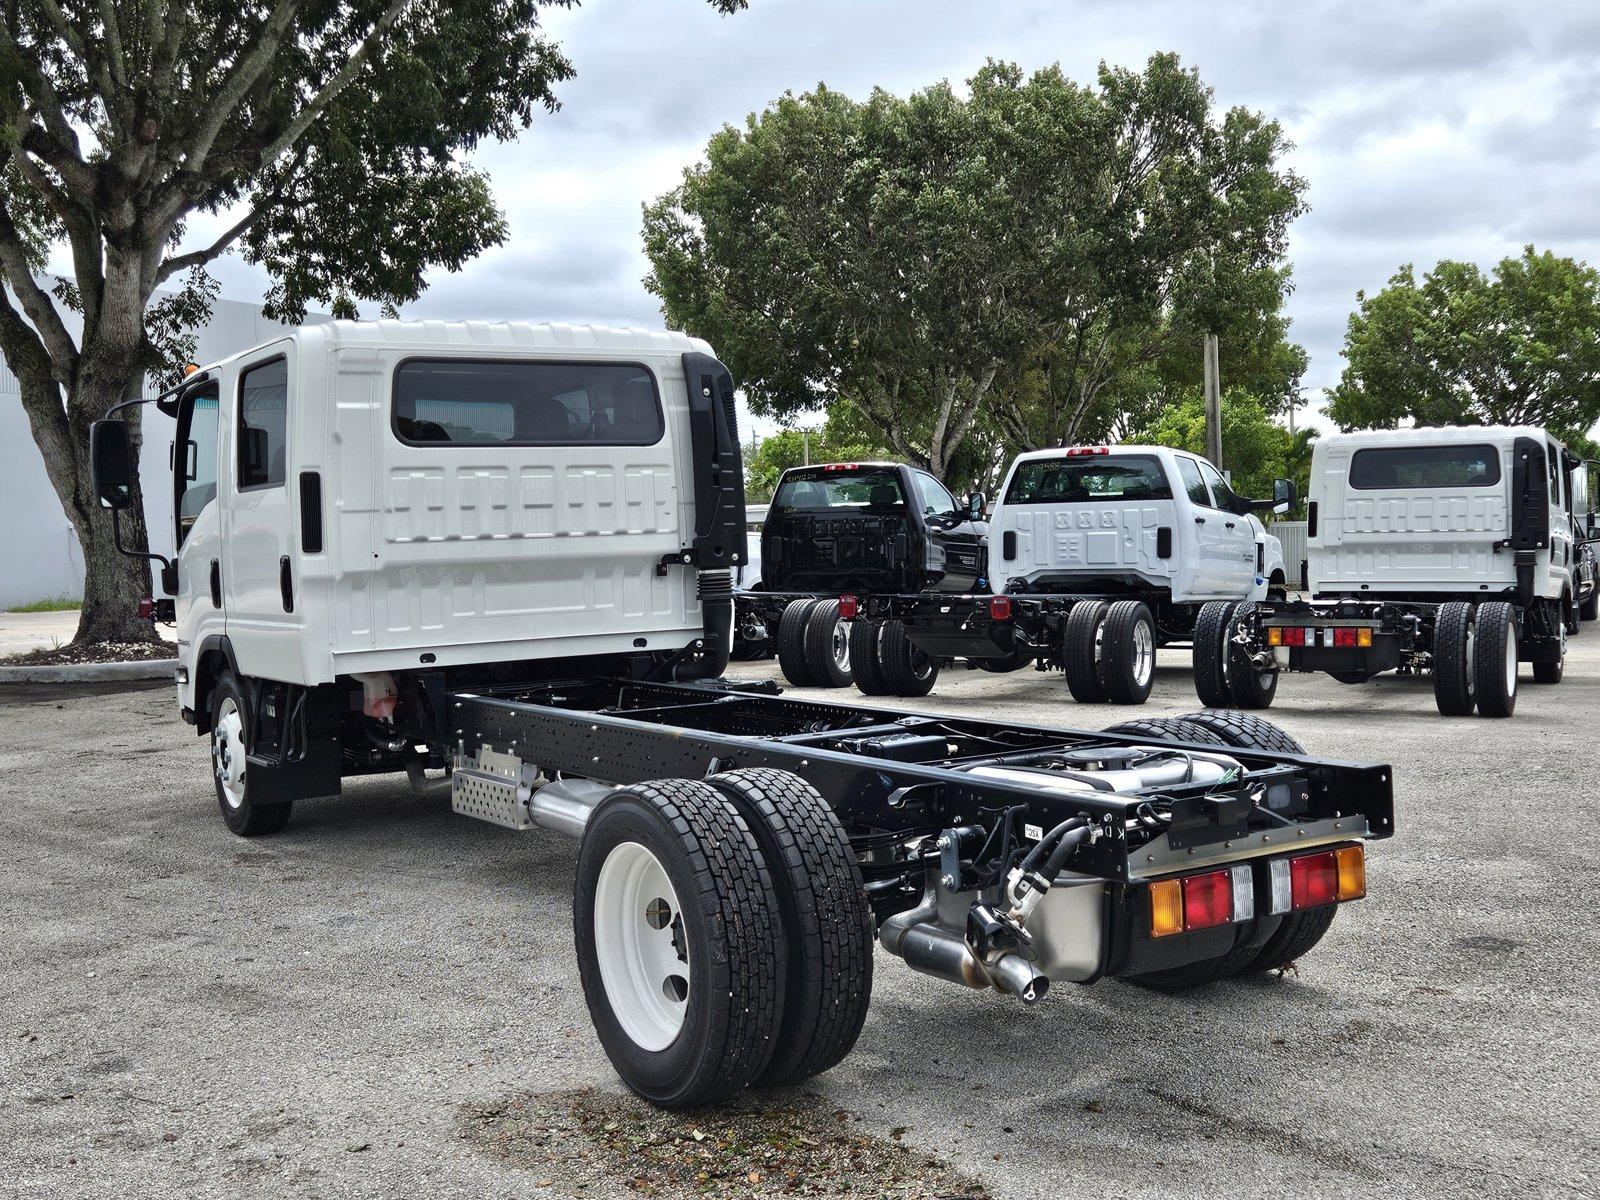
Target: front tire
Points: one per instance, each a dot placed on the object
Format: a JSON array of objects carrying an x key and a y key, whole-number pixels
[
  {"x": 230, "y": 736},
  {"x": 680, "y": 947}
]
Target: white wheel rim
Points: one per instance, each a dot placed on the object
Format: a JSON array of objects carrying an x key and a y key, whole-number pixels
[
  {"x": 642, "y": 946},
  {"x": 228, "y": 752},
  {"x": 1144, "y": 653},
  {"x": 1472, "y": 660},
  {"x": 1511, "y": 662},
  {"x": 841, "y": 645}
]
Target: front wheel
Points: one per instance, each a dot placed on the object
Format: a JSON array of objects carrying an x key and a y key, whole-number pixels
[
  {"x": 680, "y": 947},
  {"x": 1589, "y": 610},
  {"x": 230, "y": 739}
]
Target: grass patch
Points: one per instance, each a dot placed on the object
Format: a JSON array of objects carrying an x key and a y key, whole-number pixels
[{"x": 49, "y": 604}]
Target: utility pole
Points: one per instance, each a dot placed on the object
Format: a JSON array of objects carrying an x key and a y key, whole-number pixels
[{"x": 1213, "y": 404}]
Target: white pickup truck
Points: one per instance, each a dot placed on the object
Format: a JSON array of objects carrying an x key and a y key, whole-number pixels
[
  {"x": 1455, "y": 551},
  {"x": 1099, "y": 555}
]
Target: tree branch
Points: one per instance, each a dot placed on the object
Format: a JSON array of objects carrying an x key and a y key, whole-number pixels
[
  {"x": 47, "y": 417},
  {"x": 40, "y": 308},
  {"x": 255, "y": 58},
  {"x": 198, "y": 258}
]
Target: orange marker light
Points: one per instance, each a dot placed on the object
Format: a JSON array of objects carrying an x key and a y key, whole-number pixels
[
  {"x": 1352, "y": 872},
  {"x": 1363, "y": 636},
  {"x": 1274, "y": 635},
  {"x": 189, "y": 369},
  {"x": 1166, "y": 907}
]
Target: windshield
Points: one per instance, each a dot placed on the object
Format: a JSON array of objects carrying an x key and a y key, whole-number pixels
[
  {"x": 1089, "y": 478},
  {"x": 816, "y": 491}
]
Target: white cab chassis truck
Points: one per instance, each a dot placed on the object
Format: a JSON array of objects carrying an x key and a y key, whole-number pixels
[
  {"x": 1458, "y": 552},
  {"x": 1099, "y": 555},
  {"x": 496, "y": 557}
]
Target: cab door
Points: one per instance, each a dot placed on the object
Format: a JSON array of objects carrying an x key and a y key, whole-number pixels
[
  {"x": 1562, "y": 545},
  {"x": 1231, "y": 538},
  {"x": 196, "y": 460},
  {"x": 257, "y": 568}
]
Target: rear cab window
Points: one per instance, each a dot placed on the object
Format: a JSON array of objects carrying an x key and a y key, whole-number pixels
[
  {"x": 1088, "y": 479},
  {"x": 1389, "y": 467},
  {"x": 821, "y": 489},
  {"x": 501, "y": 402}
]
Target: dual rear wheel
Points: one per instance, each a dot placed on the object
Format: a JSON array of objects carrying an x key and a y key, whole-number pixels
[
  {"x": 1109, "y": 651},
  {"x": 723, "y": 935}
]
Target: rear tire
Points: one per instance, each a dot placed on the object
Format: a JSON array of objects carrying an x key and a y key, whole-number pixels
[
  {"x": 230, "y": 737},
  {"x": 1589, "y": 610},
  {"x": 1245, "y": 731},
  {"x": 1249, "y": 686},
  {"x": 791, "y": 642},
  {"x": 906, "y": 669},
  {"x": 1452, "y": 660},
  {"x": 827, "y": 922},
  {"x": 1494, "y": 665},
  {"x": 1081, "y": 647},
  {"x": 1178, "y": 728},
  {"x": 825, "y": 642},
  {"x": 1548, "y": 672},
  {"x": 1128, "y": 653},
  {"x": 681, "y": 853},
  {"x": 1294, "y": 938},
  {"x": 864, "y": 635},
  {"x": 1210, "y": 673}
]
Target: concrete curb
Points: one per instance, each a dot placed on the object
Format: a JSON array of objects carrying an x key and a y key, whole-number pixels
[{"x": 155, "y": 668}]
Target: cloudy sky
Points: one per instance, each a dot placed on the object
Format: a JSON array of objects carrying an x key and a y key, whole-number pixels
[{"x": 1426, "y": 129}]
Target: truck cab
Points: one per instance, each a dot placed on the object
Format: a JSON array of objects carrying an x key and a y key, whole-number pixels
[
  {"x": 1130, "y": 518},
  {"x": 870, "y": 527}
]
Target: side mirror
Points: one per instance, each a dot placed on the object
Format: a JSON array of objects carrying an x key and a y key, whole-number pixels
[
  {"x": 1282, "y": 496},
  {"x": 111, "y": 459},
  {"x": 976, "y": 502}
]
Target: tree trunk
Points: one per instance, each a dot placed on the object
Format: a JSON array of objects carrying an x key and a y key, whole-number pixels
[{"x": 113, "y": 583}]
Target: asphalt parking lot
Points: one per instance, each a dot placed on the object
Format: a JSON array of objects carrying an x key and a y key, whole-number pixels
[{"x": 185, "y": 1013}]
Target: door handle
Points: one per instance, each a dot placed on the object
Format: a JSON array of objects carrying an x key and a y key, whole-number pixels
[
  {"x": 1231, "y": 524},
  {"x": 1199, "y": 520},
  {"x": 216, "y": 584}
]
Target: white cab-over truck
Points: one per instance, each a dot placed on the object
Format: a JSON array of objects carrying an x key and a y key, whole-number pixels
[
  {"x": 1099, "y": 555},
  {"x": 501, "y": 552},
  {"x": 1456, "y": 551}
]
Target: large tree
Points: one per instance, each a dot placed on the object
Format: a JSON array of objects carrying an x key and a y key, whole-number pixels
[
  {"x": 1255, "y": 449},
  {"x": 331, "y": 137},
  {"x": 1001, "y": 261},
  {"x": 1518, "y": 346}
]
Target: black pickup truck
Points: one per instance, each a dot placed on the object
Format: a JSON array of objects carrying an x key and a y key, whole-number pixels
[{"x": 839, "y": 529}]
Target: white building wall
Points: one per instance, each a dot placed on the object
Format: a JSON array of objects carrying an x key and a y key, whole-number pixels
[{"x": 39, "y": 553}]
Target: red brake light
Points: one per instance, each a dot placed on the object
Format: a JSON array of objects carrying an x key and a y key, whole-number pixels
[
  {"x": 1294, "y": 635},
  {"x": 1073, "y": 451},
  {"x": 1314, "y": 879},
  {"x": 1207, "y": 900},
  {"x": 842, "y": 467},
  {"x": 147, "y": 609},
  {"x": 849, "y": 606},
  {"x": 1344, "y": 637},
  {"x": 1000, "y": 608}
]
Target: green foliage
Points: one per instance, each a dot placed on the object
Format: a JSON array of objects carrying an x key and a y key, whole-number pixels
[
  {"x": 1006, "y": 267},
  {"x": 1519, "y": 346},
  {"x": 1255, "y": 449},
  {"x": 48, "y": 605}
]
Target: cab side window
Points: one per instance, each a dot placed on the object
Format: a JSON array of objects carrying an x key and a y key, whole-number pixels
[
  {"x": 1220, "y": 490},
  {"x": 263, "y": 425},
  {"x": 1553, "y": 460},
  {"x": 196, "y": 459},
  {"x": 937, "y": 502},
  {"x": 1189, "y": 472}
]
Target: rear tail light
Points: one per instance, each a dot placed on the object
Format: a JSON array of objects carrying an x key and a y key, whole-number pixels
[
  {"x": 1208, "y": 900},
  {"x": 1202, "y": 901},
  {"x": 1000, "y": 608},
  {"x": 1363, "y": 637},
  {"x": 849, "y": 606},
  {"x": 1075, "y": 451},
  {"x": 1294, "y": 635},
  {"x": 1352, "y": 861},
  {"x": 842, "y": 467},
  {"x": 1344, "y": 638},
  {"x": 147, "y": 609},
  {"x": 1274, "y": 635},
  {"x": 1314, "y": 880}
]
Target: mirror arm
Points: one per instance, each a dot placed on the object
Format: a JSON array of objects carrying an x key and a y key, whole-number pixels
[{"x": 116, "y": 538}]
